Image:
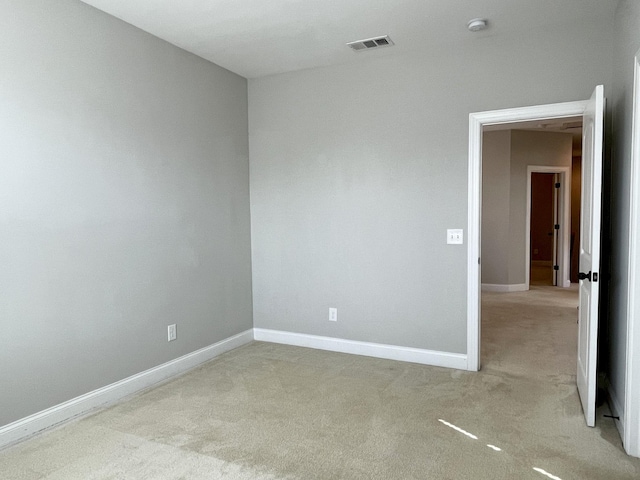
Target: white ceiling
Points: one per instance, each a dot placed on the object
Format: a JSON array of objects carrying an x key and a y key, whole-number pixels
[
  {"x": 254, "y": 38},
  {"x": 571, "y": 125}
]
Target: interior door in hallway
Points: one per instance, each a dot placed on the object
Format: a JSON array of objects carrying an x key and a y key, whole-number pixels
[
  {"x": 590, "y": 220},
  {"x": 542, "y": 234},
  {"x": 556, "y": 222}
]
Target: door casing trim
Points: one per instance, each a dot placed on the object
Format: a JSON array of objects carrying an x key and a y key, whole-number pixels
[
  {"x": 477, "y": 121},
  {"x": 631, "y": 417}
]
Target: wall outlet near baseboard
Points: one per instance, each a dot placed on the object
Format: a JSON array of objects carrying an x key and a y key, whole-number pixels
[
  {"x": 333, "y": 314},
  {"x": 172, "y": 332}
]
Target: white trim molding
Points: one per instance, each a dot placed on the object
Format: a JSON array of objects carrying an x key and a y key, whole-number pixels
[
  {"x": 616, "y": 409},
  {"x": 102, "y": 397},
  {"x": 631, "y": 423},
  {"x": 477, "y": 122},
  {"x": 378, "y": 350},
  {"x": 493, "y": 287}
]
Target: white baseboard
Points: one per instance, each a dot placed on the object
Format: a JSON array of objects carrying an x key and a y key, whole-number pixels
[
  {"x": 492, "y": 287},
  {"x": 105, "y": 396},
  {"x": 392, "y": 352},
  {"x": 25, "y": 427},
  {"x": 616, "y": 409}
]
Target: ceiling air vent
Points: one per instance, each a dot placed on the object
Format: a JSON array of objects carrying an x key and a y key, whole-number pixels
[{"x": 370, "y": 43}]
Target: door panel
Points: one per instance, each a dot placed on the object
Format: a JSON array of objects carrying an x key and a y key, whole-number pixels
[{"x": 592, "y": 142}]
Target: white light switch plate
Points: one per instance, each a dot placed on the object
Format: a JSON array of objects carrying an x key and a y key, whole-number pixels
[{"x": 455, "y": 236}]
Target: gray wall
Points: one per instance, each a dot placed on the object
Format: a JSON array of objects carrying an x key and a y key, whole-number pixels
[
  {"x": 357, "y": 171},
  {"x": 124, "y": 203},
  {"x": 496, "y": 192},
  {"x": 627, "y": 43},
  {"x": 504, "y": 196}
]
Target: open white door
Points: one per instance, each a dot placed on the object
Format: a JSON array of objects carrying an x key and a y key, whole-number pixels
[{"x": 590, "y": 219}]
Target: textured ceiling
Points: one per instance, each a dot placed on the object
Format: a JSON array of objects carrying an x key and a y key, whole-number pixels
[{"x": 254, "y": 38}]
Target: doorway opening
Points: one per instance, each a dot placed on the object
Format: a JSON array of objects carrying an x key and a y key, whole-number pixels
[
  {"x": 592, "y": 113},
  {"x": 553, "y": 221},
  {"x": 528, "y": 310},
  {"x": 526, "y": 231},
  {"x": 544, "y": 215}
]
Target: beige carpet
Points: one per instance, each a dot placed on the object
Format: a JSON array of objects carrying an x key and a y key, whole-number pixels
[{"x": 268, "y": 411}]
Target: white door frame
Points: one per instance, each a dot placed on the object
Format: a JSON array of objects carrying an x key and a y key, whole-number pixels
[
  {"x": 631, "y": 417},
  {"x": 565, "y": 222},
  {"x": 477, "y": 121}
]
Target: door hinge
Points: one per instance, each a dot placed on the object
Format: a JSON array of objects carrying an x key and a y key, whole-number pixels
[
  {"x": 556, "y": 267},
  {"x": 556, "y": 226},
  {"x": 558, "y": 185}
]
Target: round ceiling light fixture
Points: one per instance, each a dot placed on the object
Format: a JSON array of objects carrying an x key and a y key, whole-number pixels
[{"x": 477, "y": 24}]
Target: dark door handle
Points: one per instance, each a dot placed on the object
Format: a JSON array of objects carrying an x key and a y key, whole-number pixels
[{"x": 584, "y": 276}]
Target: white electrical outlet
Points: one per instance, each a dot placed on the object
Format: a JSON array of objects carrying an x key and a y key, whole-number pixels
[
  {"x": 172, "y": 332},
  {"x": 454, "y": 236},
  {"x": 333, "y": 314}
]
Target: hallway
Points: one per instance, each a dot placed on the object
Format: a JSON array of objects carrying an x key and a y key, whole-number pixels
[{"x": 531, "y": 334}]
